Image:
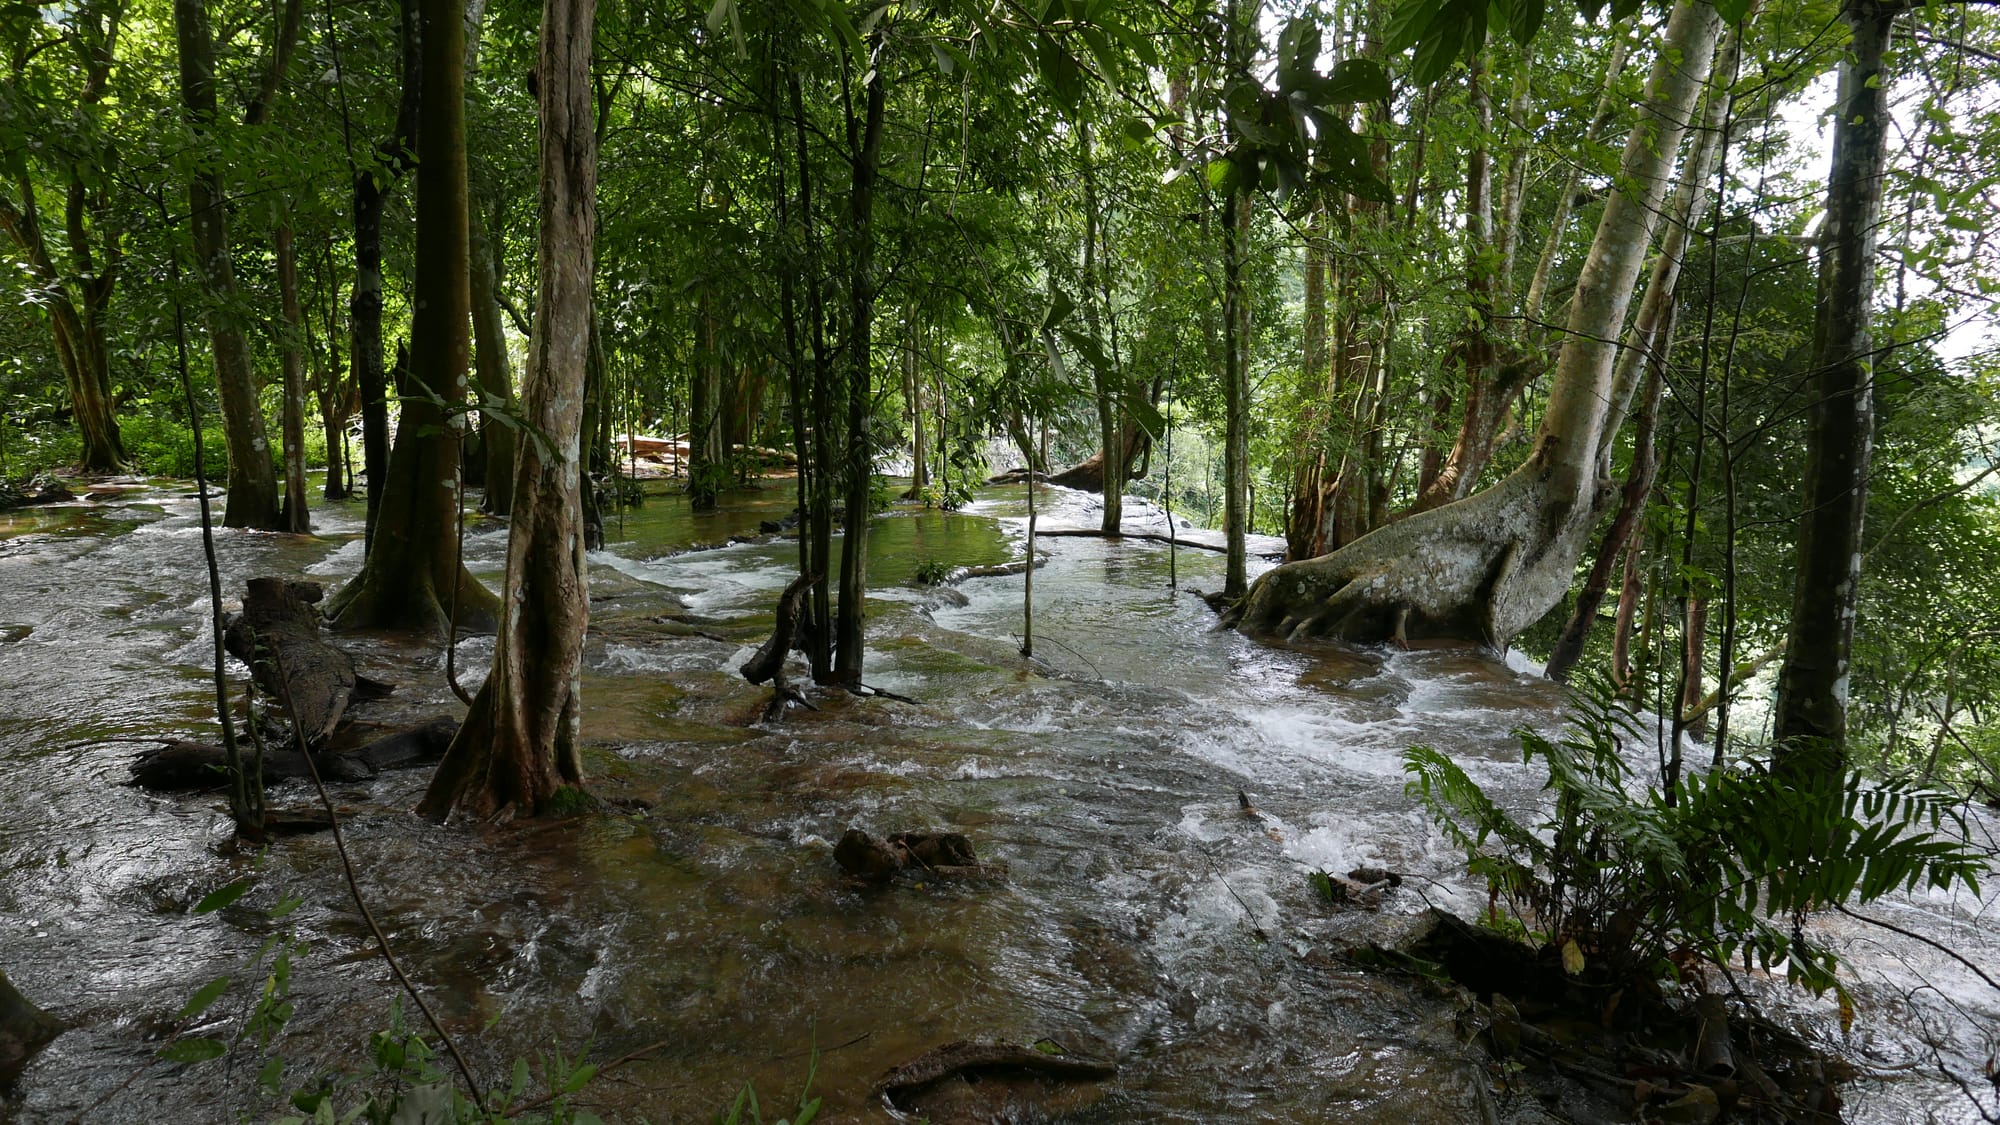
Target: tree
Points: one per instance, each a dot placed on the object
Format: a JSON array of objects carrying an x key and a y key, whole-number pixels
[
  {"x": 77, "y": 299},
  {"x": 1486, "y": 567},
  {"x": 517, "y": 747},
  {"x": 1813, "y": 682},
  {"x": 413, "y": 577},
  {"x": 252, "y": 494}
]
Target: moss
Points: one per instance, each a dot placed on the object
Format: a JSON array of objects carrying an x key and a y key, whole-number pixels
[{"x": 569, "y": 801}]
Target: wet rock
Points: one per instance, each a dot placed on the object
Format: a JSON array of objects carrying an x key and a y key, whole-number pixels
[
  {"x": 977, "y": 1083},
  {"x": 946, "y": 854},
  {"x": 14, "y": 634},
  {"x": 24, "y": 1029}
]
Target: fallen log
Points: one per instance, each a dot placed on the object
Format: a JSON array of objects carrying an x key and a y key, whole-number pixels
[
  {"x": 968, "y": 1081},
  {"x": 1150, "y": 537},
  {"x": 180, "y": 766},
  {"x": 278, "y": 636}
]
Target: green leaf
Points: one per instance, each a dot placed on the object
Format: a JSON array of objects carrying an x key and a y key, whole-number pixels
[
  {"x": 1357, "y": 80},
  {"x": 222, "y": 896},
  {"x": 193, "y": 1050},
  {"x": 1524, "y": 18},
  {"x": 204, "y": 996},
  {"x": 271, "y": 1078},
  {"x": 1733, "y": 12},
  {"x": 1060, "y": 306}
]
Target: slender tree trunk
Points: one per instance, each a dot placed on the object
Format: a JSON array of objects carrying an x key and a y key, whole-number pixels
[
  {"x": 913, "y": 395},
  {"x": 705, "y": 450},
  {"x": 518, "y": 746},
  {"x": 252, "y": 494},
  {"x": 850, "y": 625},
  {"x": 1631, "y": 506},
  {"x": 1811, "y": 712},
  {"x": 371, "y": 187},
  {"x": 819, "y": 515},
  {"x": 1309, "y": 492},
  {"x": 489, "y": 354},
  {"x": 412, "y": 578},
  {"x": 1235, "y": 395},
  {"x": 295, "y": 517},
  {"x": 1112, "y": 454},
  {"x": 336, "y": 396},
  {"x": 1629, "y": 590}
]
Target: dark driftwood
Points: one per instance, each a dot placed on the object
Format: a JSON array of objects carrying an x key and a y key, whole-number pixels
[
  {"x": 768, "y": 665},
  {"x": 182, "y": 766},
  {"x": 24, "y": 1029},
  {"x": 973, "y": 1061},
  {"x": 279, "y": 630}
]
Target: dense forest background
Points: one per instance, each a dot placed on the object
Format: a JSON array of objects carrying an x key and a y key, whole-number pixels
[{"x": 1298, "y": 270}]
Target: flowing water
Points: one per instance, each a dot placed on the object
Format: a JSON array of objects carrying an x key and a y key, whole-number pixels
[{"x": 1144, "y": 919}]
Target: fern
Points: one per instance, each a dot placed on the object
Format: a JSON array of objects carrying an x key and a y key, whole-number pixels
[{"x": 1727, "y": 868}]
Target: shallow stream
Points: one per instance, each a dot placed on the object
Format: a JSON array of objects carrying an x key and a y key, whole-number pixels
[{"x": 1145, "y": 919}]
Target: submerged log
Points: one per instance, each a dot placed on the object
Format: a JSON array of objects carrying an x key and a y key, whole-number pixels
[
  {"x": 973, "y": 1083},
  {"x": 278, "y": 636},
  {"x": 24, "y": 1029},
  {"x": 178, "y": 766}
]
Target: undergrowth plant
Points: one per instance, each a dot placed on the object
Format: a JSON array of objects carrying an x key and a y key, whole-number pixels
[{"x": 1630, "y": 882}]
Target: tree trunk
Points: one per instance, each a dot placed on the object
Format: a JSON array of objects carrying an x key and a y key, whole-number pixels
[
  {"x": 294, "y": 516},
  {"x": 371, "y": 187},
  {"x": 489, "y": 353},
  {"x": 518, "y": 747},
  {"x": 337, "y": 399},
  {"x": 1111, "y": 455},
  {"x": 78, "y": 302},
  {"x": 913, "y": 397},
  {"x": 850, "y": 625},
  {"x": 412, "y": 578},
  {"x": 1487, "y": 567},
  {"x": 705, "y": 450},
  {"x": 1235, "y": 394},
  {"x": 252, "y": 495},
  {"x": 1307, "y": 513},
  {"x": 818, "y": 530},
  {"x": 1811, "y": 711},
  {"x": 1631, "y": 505}
]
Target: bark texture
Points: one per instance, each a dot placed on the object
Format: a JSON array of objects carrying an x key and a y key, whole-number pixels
[
  {"x": 412, "y": 578},
  {"x": 1812, "y": 684},
  {"x": 518, "y": 746},
  {"x": 1486, "y": 567}
]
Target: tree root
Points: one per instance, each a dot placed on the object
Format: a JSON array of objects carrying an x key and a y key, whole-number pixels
[{"x": 1480, "y": 570}]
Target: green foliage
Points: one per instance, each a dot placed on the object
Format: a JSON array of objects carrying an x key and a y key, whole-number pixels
[
  {"x": 1629, "y": 881},
  {"x": 406, "y": 1082},
  {"x": 932, "y": 572},
  {"x": 745, "y": 1110},
  {"x": 946, "y": 497}
]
